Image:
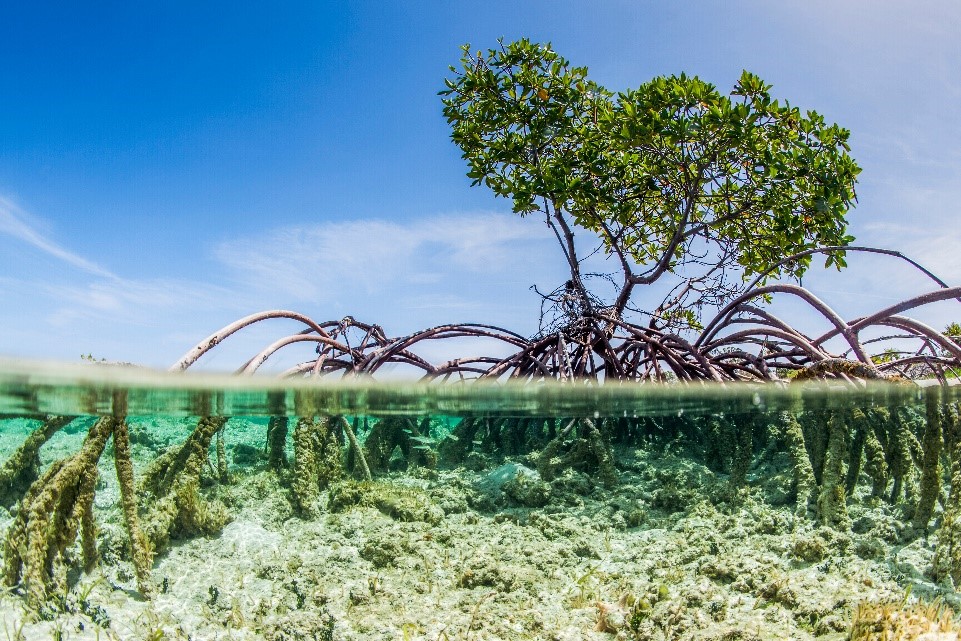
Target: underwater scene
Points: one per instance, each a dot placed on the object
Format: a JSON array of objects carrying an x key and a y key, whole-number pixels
[{"x": 143, "y": 505}]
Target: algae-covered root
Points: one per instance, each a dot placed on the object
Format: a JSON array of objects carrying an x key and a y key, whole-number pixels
[
  {"x": 277, "y": 443},
  {"x": 392, "y": 432},
  {"x": 317, "y": 461},
  {"x": 186, "y": 460},
  {"x": 20, "y": 470},
  {"x": 832, "y": 508},
  {"x": 589, "y": 451},
  {"x": 931, "y": 460},
  {"x": 549, "y": 459},
  {"x": 454, "y": 449},
  {"x": 803, "y": 471},
  {"x": 356, "y": 449},
  {"x": 744, "y": 429},
  {"x": 304, "y": 488},
  {"x": 222, "y": 475},
  {"x": 59, "y": 506},
  {"x": 174, "y": 480},
  {"x": 875, "y": 463},
  {"x": 947, "y": 557},
  {"x": 140, "y": 549},
  {"x": 55, "y": 508}
]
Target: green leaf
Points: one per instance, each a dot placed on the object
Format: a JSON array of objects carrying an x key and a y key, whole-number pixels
[{"x": 638, "y": 161}]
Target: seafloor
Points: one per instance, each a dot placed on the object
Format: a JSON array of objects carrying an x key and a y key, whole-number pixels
[{"x": 669, "y": 552}]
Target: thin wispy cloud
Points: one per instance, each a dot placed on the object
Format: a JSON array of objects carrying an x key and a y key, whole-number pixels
[
  {"x": 70, "y": 305},
  {"x": 160, "y": 302},
  {"x": 370, "y": 257},
  {"x": 15, "y": 222},
  {"x": 450, "y": 268}
]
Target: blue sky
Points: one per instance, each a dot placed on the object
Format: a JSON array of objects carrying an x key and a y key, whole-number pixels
[{"x": 165, "y": 169}]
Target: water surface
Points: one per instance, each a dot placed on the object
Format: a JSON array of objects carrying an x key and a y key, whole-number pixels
[{"x": 356, "y": 509}]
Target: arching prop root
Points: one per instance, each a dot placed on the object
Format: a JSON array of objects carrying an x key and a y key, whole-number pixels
[
  {"x": 742, "y": 342},
  {"x": 21, "y": 469}
]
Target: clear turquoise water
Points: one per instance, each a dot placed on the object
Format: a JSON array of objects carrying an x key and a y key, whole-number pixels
[
  {"x": 673, "y": 450},
  {"x": 43, "y": 388}
]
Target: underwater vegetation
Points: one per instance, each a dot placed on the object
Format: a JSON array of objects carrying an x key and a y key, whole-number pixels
[
  {"x": 898, "y": 621},
  {"x": 818, "y": 458}
]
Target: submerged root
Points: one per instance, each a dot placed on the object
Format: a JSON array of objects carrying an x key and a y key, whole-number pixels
[
  {"x": 861, "y": 429},
  {"x": 21, "y": 469},
  {"x": 140, "y": 549},
  {"x": 398, "y": 436},
  {"x": 931, "y": 462},
  {"x": 222, "y": 475},
  {"x": 831, "y": 502},
  {"x": 317, "y": 461},
  {"x": 55, "y": 508},
  {"x": 182, "y": 513},
  {"x": 947, "y": 555},
  {"x": 875, "y": 464},
  {"x": 174, "y": 480},
  {"x": 356, "y": 450},
  {"x": 804, "y": 482},
  {"x": 589, "y": 451},
  {"x": 277, "y": 443},
  {"x": 741, "y": 461},
  {"x": 186, "y": 460},
  {"x": 304, "y": 490},
  {"x": 454, "y": 449}
]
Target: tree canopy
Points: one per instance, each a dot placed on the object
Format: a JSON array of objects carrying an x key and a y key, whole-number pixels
[{"x": 673, "y": 178}]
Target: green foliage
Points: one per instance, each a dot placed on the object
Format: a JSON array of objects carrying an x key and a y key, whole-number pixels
[
  {"x": 953, "y": 330},
  {"x": 660, "y": 172},
  {"x": 522, "y": 117},
  {"x": 745, "y": 171},
  {"x": 888, "y": 355}
]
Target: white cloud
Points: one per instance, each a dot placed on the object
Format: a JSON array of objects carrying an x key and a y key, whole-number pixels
[
  {"x": 17, "y": 223},
  {"x": 143, "y": 302},
  {"x": 60, "y": 308},
  {"x": 452, "y": 268},
  {"x": 325, "y": 263}
]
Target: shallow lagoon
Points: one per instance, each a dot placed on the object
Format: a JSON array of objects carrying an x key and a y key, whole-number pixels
[{"x": 493, "y": 512}]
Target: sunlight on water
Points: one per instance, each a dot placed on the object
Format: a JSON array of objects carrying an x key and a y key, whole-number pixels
[
  {"x": 74, "y": 389},
  {"x": 143, "y": 504}
]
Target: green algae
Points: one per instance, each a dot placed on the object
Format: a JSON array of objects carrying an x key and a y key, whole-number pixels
[{"x": 857, "y": 477}]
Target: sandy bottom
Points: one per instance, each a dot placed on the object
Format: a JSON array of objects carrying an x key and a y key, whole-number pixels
[{"x": 669, "y": 553}]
